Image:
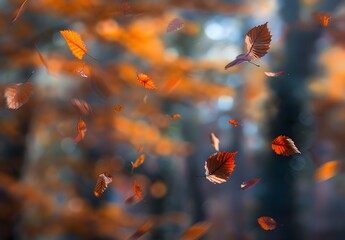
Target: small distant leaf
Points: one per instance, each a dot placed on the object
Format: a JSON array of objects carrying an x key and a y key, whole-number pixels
[
  {"x": 250, "y": 183},
  {"x": 126, "y": 8},
  {"x": 75, "y": 43},
  {"x": 142, "y": 230},
  {"x": 195, "y": 232},
  {"x": 267, "y": 223},
  {"x": 137, "y": 196},
  {"x": 214, "y": 141},
  {"x": 233, "y": 122},
  {"x": 118, "y": 108},
  {"x": 19, "y": 11},
  {"x": 274, "y": 74},
  {"x": 140, "y": 148},
  {"x": 284, "y": 145},
  {"x": 17, "y": 95},
  {"x": 140, "y": 160},
  {"x": 82, "y": 106},
  {"x": 175, "y": 116},
  {"x": 171, "y": 85},
  {"x": 327, "y": 171},
  {"x": 175, "y": 25},
  {"x": 258, "y": 41},
  {"x": 322, "y": 18},
  {"x": 146, "y": 81},
  {"x": 102, "y": 184},
  {"x": 219, "y": 166},
  {"x": 145, "y": 99},
  {"x": 81, "y": 131},
  {"x": 44, "y": 62}
]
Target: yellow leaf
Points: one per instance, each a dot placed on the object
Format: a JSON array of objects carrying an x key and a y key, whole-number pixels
[{"x": 75, "y": 43}]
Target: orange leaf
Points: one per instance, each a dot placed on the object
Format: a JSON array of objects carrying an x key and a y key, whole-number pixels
[
  {"x": 17, "y": 95},
  {"x": 140, "y": 148},
  {"x": 137, "y": 196},
  {"x": 142, "y": 230},
  {"x": 326, "y": 171},
  {"x": 258, "y": 41},
  {"x": 19, "y": 11},
  {"x": 81, "y": 131},
  {"x": 267, "y": 223},
  {"x": 250, "y": 183},
  {"x": 196, "y": 231},
  {"x": 322, "y": 18},
  {"x": 140, "y": 160},
  {"x": 75, "y": 43},
  {"x": 175, "y": 25},
  {"x": 233, "y": 122},
  {"x": 118, "y": 108},
  {"x": 82, "y": 106},
  {"x": 146, "y": 81},
  {"x": 175, "y": 116},
  {"x": 274, "y": 74},
  {"x": 284, "y": 145},
  {"x": 102, "y": 184},
  {"x": 214, "y": 141},
  {"x": 171, "y": 85},
  {"x": 219, "y": 166}
]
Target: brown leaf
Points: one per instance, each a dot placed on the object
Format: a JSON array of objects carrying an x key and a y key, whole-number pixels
[
  {"x": 140, "y": 160},
  {"x": 142, "y": 230},
  {"x": 250, "y": 183},
  {"x": 75, "y": 43},
  {"x": 18, "y": 94},
  {"x": 284, "y": 145},
  {"x": 267, "y": 223},
  {"x": 196, "y": 231},
  {"x": 81, "y": 131},
  {"x": 175, "y": 25},
  {"x": 326, "y": 171},
  {"x": 82, "y": 106},
  {"x": 219, "y": 166},
  {"x": 102, "y": 184},
  {"x": 258, "y": 41},
  {"x": 19, "y": 11},
  {"x": 146, "y": 81},
  {"x": 118, "y": 108},
  {"x": 274, "y": 74},
  {"x": 214, "y": 141}
]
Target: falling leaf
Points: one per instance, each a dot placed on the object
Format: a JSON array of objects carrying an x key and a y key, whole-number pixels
[
  {"x": 102, "y": 184},
  {"x": 219, "y": 166},
  {"x": 140, "y": 148},
  {"x": 175, "y": 25},
  {"x": 274, "y": 74},
  {"x": 145, "y": 99},
  {"x": 75, "y": 43},
  {"x": 322, "y": 18},
  {"x": 82, "y": 106},
  {"x": 140, "y": 160},
  {"x": 44, "y": 62},
  {"x": 233, "y": 122},
  {"x": 284, "y": 145},
  {"x": 137, "y": 196},
  {"x": 250, "y": 183},
  {"x": 257, "y": 41},
  {"x": 82, "y": 73},
  {"x": 171, "y": 85},
  {"x": 146, "y": 81},
  {"x": 19, "y": 11},
  {"x": 118, "y": 108},
  {"x": 81, "y": 131},
  {"x": 142, "y": 230},
  {"x": 214, "y": 141},
  {"x": 267, "y": 223},
  {"x": 126, "y": 8},
  {"x": 17, "y": 95},
  {"x": 175, "y": 116},
  {"x": 196, "y": 231},
  {"x": 326, "y": 171}
]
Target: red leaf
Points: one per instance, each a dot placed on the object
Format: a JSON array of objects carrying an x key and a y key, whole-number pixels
[
  {"x": 175, "y": 116},
  {"x": 233, "y": 122},
  {"x": 274, "y": 74},
  {"x": 19, "y": 11},
  {"x": 175, "y": 25},
  {"x": 102, "y": 184},
  {"x": 219, "y": 166},
  {"x": 284, "y": 145},
  {"x": 17, "y": 95},
  {"x": 81, "y": 131},
  {"x": 267, "y": 223},
  {"x": 250, "y": 183},
  {"x": 258, "y": 41},
  {"x": 322, "y": 18},
  {"x": 137, "y": 196}
]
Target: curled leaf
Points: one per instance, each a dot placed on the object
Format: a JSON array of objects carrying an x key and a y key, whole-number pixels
[
  {"x": 274, "y": 74},
  {"x": 196, "y": 231},
  {"x": 175, "y": 25},
  {"x": 19, "y": 11},
  {"x": 146, "y": 81},
  {"x": 75, "y": 43},
  {"x": 233, "y": 122},
  {"x": 326, "y": 171},
  {"x": 102, "y": 184},
  {"x": 284, "y": 145},
  {"x": 81, "y": 131},
  {"x": 250, "y": 183},
  {"x": 267, "y": 223},
  {"x": 214, "y": 141},
  {"x": 83, "y": 107},
  {"x": 219, "y": 166},
  {"x": 17, "y": 95},
  {"x": 140, "y": 160},
  {"x": 322, "y": 18}
]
